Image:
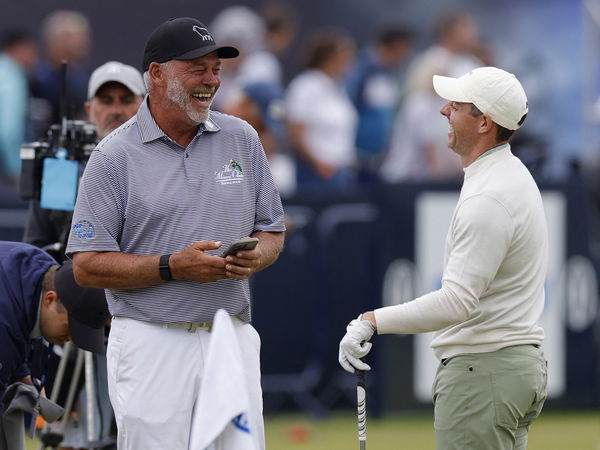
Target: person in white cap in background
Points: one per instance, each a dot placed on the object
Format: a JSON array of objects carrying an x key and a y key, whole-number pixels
[
  {"x": 491, "y": 382},
  {"x": 115, "y": 92}
]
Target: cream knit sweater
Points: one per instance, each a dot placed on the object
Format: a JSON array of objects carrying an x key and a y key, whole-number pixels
[{"x": 495, "y": 263}]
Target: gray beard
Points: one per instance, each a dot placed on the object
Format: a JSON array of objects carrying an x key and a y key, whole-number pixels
[{"x": 178, "y": 95}]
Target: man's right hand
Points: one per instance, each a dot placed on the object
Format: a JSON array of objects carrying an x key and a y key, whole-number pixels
[{"x": 194, "y": 264}]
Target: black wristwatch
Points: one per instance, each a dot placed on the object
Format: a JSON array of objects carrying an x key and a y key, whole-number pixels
[{"x": 163, "y": 268}]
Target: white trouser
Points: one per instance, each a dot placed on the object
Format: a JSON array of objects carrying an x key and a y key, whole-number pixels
[{"x": 154, "y": 377}]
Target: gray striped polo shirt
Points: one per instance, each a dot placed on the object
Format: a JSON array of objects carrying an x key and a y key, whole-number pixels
[{"x": 142, "y": 193}]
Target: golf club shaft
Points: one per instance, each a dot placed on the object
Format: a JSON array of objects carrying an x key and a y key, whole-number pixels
[{"x": 361, "y": 396}]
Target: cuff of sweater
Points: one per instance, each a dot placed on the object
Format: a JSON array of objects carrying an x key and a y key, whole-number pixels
[{"x": 385, "y": 319}]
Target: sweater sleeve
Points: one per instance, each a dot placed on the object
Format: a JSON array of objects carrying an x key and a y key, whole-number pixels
[{"x": 478, "y": 241}]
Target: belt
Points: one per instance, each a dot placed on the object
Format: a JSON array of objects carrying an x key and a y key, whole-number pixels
[
  {"x": 443, "y": 360},
  {"x": 190, "y": 326}
]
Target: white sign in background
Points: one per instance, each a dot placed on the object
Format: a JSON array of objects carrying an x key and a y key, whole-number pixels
[{"x": 433, "y": 214}]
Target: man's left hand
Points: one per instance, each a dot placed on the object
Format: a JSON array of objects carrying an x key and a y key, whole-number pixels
[{"x": 244, "y": 263}]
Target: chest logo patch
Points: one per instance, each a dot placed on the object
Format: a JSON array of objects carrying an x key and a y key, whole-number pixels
[{"x": 230, "y": 173}]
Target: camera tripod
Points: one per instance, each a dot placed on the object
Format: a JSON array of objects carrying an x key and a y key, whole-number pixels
[{"x": 52, "y": 434}]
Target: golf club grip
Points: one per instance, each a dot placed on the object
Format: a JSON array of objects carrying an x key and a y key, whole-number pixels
[{"x": 361, "y": 407}]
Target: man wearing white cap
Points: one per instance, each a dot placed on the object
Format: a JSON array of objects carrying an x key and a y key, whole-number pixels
[
  {"x": 115, "y": 92},
  {"x": 491, "y": 381}
]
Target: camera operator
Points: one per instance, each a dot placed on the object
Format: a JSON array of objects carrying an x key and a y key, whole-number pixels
[
  {"x": 115, "y": 91},
  {"x": 39, "y": 298}
]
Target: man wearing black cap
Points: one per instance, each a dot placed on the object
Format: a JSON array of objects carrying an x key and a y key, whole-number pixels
[
  {"x": 38, "y": 298},
  {"x": 158, "y": 199}
]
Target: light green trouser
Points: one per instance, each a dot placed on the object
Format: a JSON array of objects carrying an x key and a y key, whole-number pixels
[{"x": 489, "y": 400}]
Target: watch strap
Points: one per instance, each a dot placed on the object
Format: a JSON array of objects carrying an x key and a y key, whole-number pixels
[{"x": 163, "y": 268}]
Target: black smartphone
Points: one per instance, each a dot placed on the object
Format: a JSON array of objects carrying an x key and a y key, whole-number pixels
[{"x": 246, "y": 243}]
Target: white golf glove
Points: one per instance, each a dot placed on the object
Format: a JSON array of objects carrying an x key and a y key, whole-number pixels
[{"x": 354, "y": 345}]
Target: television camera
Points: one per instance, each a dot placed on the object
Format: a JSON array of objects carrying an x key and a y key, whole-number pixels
[{"x": 72, "y": 140}]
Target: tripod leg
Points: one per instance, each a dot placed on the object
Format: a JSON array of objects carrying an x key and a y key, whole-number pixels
[
  {"x": 90, "y": 391},
  {"x": 53, "y": 433},
  {"x": 60, "y": 373},
  {"x": 72, "y": 388}
]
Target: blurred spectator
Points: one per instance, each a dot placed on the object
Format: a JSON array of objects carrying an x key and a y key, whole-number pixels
[
  {"x": 241, "y": 27},
  {"x": 484, "y": 52},
  {"x": 67, "y": 37},
  {"x": 418, "y": 147},
  {"x": 281, "y": 28},
  {"x": 18, "y": 54},
  {"x": 373, "y": 86},
  {"x": 457, "y": 39},
  {"x": 261, "y": 105},
  {"x": 321, "y": 118}
]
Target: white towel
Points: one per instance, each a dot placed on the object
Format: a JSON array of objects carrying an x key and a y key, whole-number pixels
[{"x": 220, "y": 419}]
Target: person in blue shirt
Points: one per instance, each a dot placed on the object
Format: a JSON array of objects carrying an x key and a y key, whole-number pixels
[
  {"x": 18, "y": 54},
  {"x": 39, "y": 298},
  {"x": 374, "y": 87}
]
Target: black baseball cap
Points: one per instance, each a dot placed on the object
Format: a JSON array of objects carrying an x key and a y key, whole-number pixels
[
  {"x": 86, "y": 307},
  {"x": 182, "y": 38}
]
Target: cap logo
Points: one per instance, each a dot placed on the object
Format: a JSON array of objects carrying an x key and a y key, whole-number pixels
[{"x": 202, "y": 32}]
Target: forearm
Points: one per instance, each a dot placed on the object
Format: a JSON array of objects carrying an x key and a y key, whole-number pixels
[
  {"x": 431, "y": 312},
  {"x": 115, "y": 270},
  {"x": 271, "y": 245}
]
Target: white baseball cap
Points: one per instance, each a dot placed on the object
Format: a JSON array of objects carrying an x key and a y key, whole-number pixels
[
  {"x": 494, "y": 91},
  {"x": 121, "y": 73}
]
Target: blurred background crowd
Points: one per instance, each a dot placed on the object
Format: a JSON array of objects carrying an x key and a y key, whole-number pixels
[{"x": 341, "y": 95}]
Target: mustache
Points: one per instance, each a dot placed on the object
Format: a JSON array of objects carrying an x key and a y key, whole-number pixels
[{"x": 120, "y": 118}]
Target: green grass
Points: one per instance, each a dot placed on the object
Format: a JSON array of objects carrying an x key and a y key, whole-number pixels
[{"x": 552, "y": 431}]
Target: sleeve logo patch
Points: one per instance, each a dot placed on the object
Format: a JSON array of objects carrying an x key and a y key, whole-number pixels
[{"x": 83, "y": 230}]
